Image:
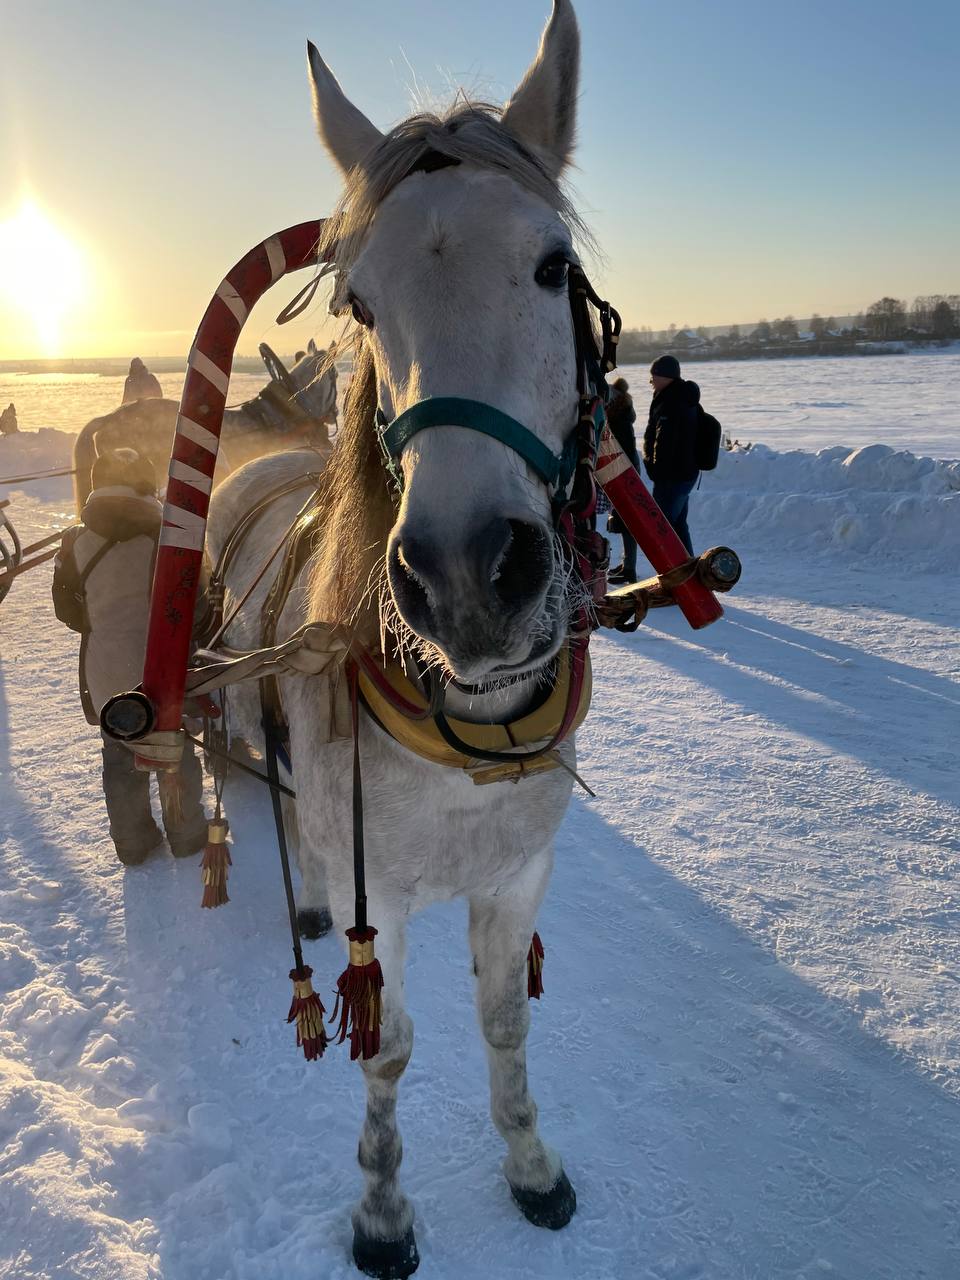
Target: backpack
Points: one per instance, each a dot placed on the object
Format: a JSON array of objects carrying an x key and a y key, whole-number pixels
[
  {"x": 707, "y": 444},
  {"x": 69, "y": 598}
]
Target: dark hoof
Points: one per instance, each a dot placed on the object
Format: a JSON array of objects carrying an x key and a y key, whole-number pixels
[
  {"x": 553, "y": 1208},
  {"x": 314, "y": 922},
  {"x": 386, "y": 1259}
]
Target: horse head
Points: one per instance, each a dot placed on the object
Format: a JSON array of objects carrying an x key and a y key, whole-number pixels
[
  {"x": 452, "y": 247},
  {"x": 313, "y": 382}
]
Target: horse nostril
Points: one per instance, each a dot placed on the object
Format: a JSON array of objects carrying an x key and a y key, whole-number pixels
[
  {"x": 405, "y": 565},
  {"x": 526, "y": 564}
]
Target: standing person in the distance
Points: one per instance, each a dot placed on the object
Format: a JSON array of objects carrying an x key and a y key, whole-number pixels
[
  {"x": 670, "y": 443},
  {"x": 8, "y": 421},
  {"x": 621, "y": 417},
  {"x": 101, "y": 588},
  {"x": 141, "y": 384}
]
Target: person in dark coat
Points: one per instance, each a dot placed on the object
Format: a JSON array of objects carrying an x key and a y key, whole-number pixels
[
  {"x": 621, "y": 417},
  {"x": 141, "y": 384},
  {"x": 670, "y": 443}
]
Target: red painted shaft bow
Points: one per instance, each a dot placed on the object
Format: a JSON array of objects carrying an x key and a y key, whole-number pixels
[
  {"x": 654, "y": 534},
  {"x": 194, "y": 458}
]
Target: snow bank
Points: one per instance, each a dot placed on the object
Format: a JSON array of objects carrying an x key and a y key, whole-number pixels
[
  {"x": 875, "y": 501},
  {"x": 26, "y": 452}
]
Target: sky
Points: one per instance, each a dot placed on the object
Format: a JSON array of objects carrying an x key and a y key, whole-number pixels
[{"x": 736, "y": 161}]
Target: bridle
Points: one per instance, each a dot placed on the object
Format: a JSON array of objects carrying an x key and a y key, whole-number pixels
[
  {"x": 570, "y": 477},
  {"x": 555, "y": 470},
  {"x": 276, "y": 406}
]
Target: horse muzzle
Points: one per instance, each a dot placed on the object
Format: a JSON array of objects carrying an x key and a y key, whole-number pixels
[{"x": 481, "y": 596}]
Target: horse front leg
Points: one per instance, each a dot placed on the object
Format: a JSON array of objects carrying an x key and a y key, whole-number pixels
[
  {"x": 383, "y": 1240},
  {"x": 501, "y": 927}
]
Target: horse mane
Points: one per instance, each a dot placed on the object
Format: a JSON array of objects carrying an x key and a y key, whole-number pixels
[
  {"x": 356, "y": 504},
  {"x": 357, "y": 512}
]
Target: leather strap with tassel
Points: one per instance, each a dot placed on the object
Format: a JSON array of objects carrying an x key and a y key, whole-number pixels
[
  {"x": 359, "y": 1001},
  {"x": 305, "y": 1008}
]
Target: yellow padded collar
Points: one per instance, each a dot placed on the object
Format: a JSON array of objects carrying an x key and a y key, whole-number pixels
[{"x": 536, "y": 729}]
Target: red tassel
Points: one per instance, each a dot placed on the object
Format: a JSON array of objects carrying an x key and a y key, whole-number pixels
[
  {"x": 359, "y": 1001},
  {"x": 535, "y": 969},
  {"x": 308, "y": 1013},
  {"x": 216, "y": 860}
]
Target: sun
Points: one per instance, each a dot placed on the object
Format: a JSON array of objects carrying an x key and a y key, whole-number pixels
[{"x": 42, "y": 273}]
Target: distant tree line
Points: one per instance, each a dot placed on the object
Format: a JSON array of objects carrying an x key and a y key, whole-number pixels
[{"x": 935, "y": 318}]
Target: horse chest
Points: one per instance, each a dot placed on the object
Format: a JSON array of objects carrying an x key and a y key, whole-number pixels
[{"x": 430, "y": 832}]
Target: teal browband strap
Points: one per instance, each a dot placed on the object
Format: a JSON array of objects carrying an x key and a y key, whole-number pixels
[{"x": 452, "y": 411}]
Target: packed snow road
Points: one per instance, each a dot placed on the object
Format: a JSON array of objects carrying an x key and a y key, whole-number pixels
[{"x": 749, "y": 1048}]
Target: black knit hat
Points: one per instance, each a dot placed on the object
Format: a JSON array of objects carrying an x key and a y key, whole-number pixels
[{"x": 666, "y": 367}]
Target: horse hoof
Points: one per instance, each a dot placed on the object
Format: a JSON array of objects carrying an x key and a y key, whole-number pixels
[
  {"x": 314, "y": 922},
  {"x": 386, "y": 1259},
  {"x": 552, "y": 1209}
]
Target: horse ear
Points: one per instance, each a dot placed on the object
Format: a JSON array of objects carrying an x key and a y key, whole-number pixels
[
  {"x": 542, "y": 112},
  {"x": 346, "y": 132},
  {"x": 311, "y": 348}
]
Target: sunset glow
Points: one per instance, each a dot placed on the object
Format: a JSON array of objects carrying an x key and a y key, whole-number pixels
[{"x": 42, "y": 274}]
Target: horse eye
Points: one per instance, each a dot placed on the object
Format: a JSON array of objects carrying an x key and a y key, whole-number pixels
[
  {"x": 360, "y": 313},
  {"x": 552, "y": 271}
]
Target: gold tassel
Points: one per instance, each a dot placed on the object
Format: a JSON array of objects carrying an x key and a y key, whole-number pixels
[
  {"x": 359, "y": 1002},
  {"x": 216, "y": 863},
  {"x": 307, "y": 1011}
]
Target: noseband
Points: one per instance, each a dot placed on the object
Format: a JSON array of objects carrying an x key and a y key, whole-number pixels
[
  {"x": 555, "y": 470},
  {"x": 452, "y": 411}
]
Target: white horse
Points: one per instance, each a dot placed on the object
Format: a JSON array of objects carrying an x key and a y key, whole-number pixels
[{"x": 452, "y": 247}]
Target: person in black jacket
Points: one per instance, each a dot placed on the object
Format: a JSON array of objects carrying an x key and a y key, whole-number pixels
[
  {"x": 621, "y": 416},
  {"x": 670, "y": 443}
]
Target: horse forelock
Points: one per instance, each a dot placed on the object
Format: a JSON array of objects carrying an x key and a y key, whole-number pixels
[
  {"x": 468, "y": 133},
  {"x": 357, "y": 513}
]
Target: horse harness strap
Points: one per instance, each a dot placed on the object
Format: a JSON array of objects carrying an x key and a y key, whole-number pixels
[
  {"x": 487, "y": 752},
  {"x": 440, "y": 411},
  {"x": 285, "y": 403},
  {"x": 299, "y": 547},
  {"x": 212, "y": 620}
]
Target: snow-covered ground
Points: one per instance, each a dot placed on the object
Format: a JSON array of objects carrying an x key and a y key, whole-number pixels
[
  {"x": 749, "y": 1048},
  {"x": 908, "y": 401}
]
